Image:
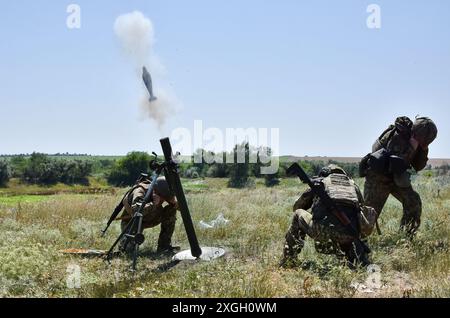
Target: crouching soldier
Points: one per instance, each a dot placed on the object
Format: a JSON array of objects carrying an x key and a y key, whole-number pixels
[
  {"x": 161, "y": 210},
  {"x": 401, "y": 147},
  {"x": 329, "y": 234}
]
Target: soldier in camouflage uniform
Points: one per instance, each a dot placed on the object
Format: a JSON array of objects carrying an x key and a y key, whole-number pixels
[
  {"x": 329, "y": 234},
  {"x": 161, "y": 210},
  {"x": 408, "y": 141}
]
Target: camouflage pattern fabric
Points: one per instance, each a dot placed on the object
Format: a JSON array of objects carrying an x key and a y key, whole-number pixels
[
  {"x": 153, "y": 215},
  {"x": 367, "y": 221},
  {"x": 328, "y": 237},
  {"x": 329, "y": 234},
  {"x": 398, "y": 144},
  {"x": 377, "y": 189}
]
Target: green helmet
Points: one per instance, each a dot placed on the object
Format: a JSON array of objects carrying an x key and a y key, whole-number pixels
[
  {"x": 332, "y": 168},
  {"x": 162, "y": 188},
  {"x": 425, "y": 129}
]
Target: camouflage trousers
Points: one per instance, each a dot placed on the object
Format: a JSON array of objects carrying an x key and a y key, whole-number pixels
[
  {"x": 164, "y": 216},
  {"x": 377, "y": 189},
  {"x": 328, "y": 239}
]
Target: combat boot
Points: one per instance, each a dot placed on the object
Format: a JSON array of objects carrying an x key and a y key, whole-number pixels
[
  {"x": 356, "y": 256},
  {"x": 289, "y": 258}
]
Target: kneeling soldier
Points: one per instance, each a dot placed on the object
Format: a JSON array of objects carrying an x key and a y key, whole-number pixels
[
  {"x": 161, "y": 210},
  {"x": 329, "y": 234}
]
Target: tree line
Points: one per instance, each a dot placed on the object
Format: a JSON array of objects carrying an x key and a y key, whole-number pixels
[
  {"x": 43, "y": 169},
  {"x": 127, "y": 169}
]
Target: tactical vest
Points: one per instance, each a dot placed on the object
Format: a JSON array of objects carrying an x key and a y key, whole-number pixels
[{"x": 341, "y": 189}]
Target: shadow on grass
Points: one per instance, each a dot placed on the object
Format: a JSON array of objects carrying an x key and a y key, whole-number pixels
[{"x": 151, "y": 255}]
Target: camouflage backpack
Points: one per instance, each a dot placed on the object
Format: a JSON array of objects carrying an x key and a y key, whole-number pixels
[{"x": 341, "y": 189}]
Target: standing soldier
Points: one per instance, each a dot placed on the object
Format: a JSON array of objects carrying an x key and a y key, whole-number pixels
[
  {"x": 330, "y": 236},
  {"x": 154, "y": 212},
  {"x": 400, "y": 147}
]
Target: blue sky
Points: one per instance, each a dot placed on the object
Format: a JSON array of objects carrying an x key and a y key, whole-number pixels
[{"x": 311, "y": 68}]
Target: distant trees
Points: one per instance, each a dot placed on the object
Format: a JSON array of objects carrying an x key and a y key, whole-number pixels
[
  {"x": 239, "y": 170},
  {"x": 443, "y": 170},
  {"x": 5, "y": 173},
  {"x": 192, "y": 173},
  {"x": 270, "y": 180},
  {"x": 242, "y": 171},
  {"x": 217, "y": 170},
  {"x": 18, "y": 165},
  {"x": 41, "y": 169},
  {"x": 126, "y": 171},
  {"x": 73, "y": 171}
]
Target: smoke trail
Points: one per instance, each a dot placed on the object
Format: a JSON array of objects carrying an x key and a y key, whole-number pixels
[
  {"x": 137, "y": 37},
  {"x": 159, "y": 109}
]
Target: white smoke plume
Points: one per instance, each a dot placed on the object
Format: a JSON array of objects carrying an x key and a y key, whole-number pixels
[
  {"x": 137, "y": 37},
  {"x": 159, "y": 109}
]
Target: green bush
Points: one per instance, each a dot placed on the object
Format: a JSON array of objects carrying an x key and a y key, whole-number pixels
[
  {"x": 126, "y": 171},
  {"x": 192, "y": 173},
  {"x": 41, "y": 169},
  {"x": 217, "y": 170},
  {"x": 73, "y": 171},
  {"x": 239, "y": 172},
  {"x": 5, "y": 173},
  {"x": 271, "y": 180},
  {"x": 102, "y": 167},
  {"x": 18, "y": 165}
]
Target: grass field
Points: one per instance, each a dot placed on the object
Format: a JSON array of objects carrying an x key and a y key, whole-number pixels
[{"x": 35, "y": 227}]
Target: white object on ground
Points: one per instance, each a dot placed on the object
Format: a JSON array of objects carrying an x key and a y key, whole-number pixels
[
  {"x": 219, "y": 221},
  {"x": 204, "y": 225},
  {"x": 208, "y": 254}
]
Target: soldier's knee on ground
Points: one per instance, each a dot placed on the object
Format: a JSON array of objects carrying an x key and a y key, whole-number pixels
[{"x": 296, "y": 234}]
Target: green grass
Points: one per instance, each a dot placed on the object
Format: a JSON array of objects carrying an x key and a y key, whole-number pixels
[
  {"x": 17, "y": 188},
  {"x": 21, "y": 199},
  {"x": 32, "y": 235}
]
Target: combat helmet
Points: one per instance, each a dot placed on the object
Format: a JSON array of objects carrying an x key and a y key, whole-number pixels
[
  {"x": 163, "y": 189},
  {"x": 425, "y": 129},
  {"x": 330, "y": 169}
]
